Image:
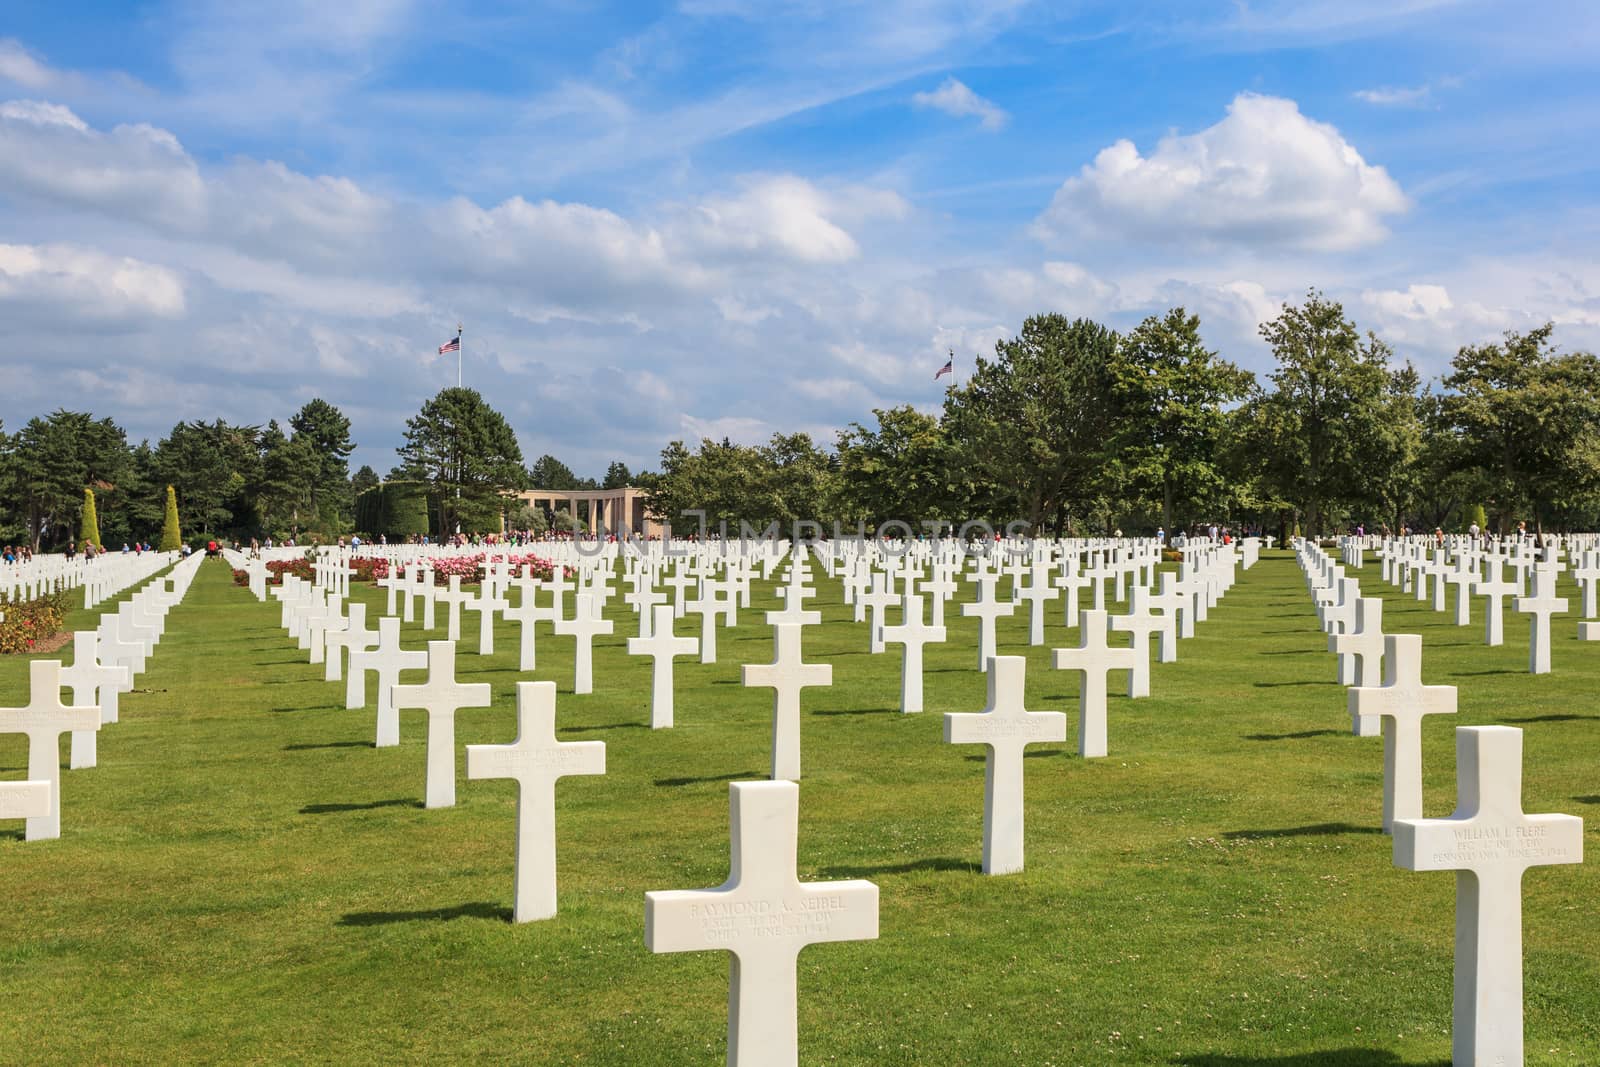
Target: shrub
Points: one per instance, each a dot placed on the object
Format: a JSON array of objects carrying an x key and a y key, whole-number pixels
[
  {"x": 171, "y": 538},
  {"x": 28, "y": 622}
]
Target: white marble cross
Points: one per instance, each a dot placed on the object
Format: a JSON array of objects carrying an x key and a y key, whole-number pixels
[
  {"x": 794, "y": 610},
  {"x": 1539, "y": 607},
  {"x": 1399, "y": 704},
  {"x": 1496, "y": 589},
  {"x": 441, "y": 696},
  {"x": 583, "y": 627},
  {"x": 486, "y": 603},
  {"x": 44, "y": 720},
  {"x": 94, "y": 683},
  {"x": 1006, "y": 727},
  {"x": 1489, "y": 842},
  {"x": 1095, "y": 658},
  {"x": 877, "y": 600},
  {"x": 353, "y": 637},
  {"x": 1037, "y": 593},
  {"x": 535, "y": 760},
  {"x": 786, "y": 675},
  {"x": 709, "y": 606},
  {"x": 764, "y": 915},
  {"x": 987, "y": 607},
  {"x": 1139, "y": 624},
  {"x": 526, "y": 614},
  {"x": 1463, "y": 576},
  {"x": 913, "y": 635},
  {"x": 1363, "y": 642},
  {"x": 661, "y": 646},
  {"x": 386, "y": 661},
  {"x": 453, "y": 597}
]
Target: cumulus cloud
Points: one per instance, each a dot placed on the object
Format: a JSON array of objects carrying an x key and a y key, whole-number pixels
[
  {"x": 20, "y": 67},
  {"x": 956, "y": 99},
  {"x": 787, "y": 217},
  {"x": 1266, "y": 176},
  {"x": 66, "y": 280}
]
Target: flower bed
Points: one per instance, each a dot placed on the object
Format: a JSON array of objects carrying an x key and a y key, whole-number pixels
[
  {"x": 31, "y": 624},
  {"x": 276, "y": 569},
  {"x": 470, "y": 568}
]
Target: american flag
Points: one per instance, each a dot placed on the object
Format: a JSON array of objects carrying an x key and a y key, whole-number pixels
[
  {"x": 452, "y": 345},
  {"x": 948, "y": 368}
]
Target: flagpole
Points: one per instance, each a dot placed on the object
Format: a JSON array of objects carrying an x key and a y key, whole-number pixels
[{"x": 458, "y": 355}]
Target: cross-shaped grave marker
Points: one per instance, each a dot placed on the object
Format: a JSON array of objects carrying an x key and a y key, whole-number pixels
[
  {"x": 786, "y": 675},
  {"x": 1539, "y": 607},
  {"x": 44, "y": 720},
  {"x": 912, "y": 634},
  {"x": 661, "y": 646},
  {"x": 987, "y": 608},
  {"x": 1490, "y": 843},
  {"x": 441, "y": 696},
  {"x": 764, "y": 915},
  {"x": 92, "y": 682},
  {"x": 386, "y": 661},
  {"x": 1006, "y": 727},
  {"x": 1363, "y": 643},
  {"x": 535, "y": 760},
  {"x": 354, "y": 636},
  {"x": 1139, "y": 623},
  {"x": 583, "y": 627},
  {"x": 1400, "y": 703},
  {"x": 1095, "y": 658},
  {"x": 453, "y": 597}
]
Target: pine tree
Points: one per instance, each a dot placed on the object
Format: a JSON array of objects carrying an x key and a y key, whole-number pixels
[
  {"x": 89, "y": 528},
  {"x": 171, "y": 539}
]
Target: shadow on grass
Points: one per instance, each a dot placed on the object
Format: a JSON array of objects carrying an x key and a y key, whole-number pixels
[
  {"x": 481, "y": 910},
  {"x": 1564, "y": 717},
  {"x": 1321, "y": 829},
  {"x": 1301, "y": 736},
  {"x": 669, "y": 782},
  {"x": 328, "y": 744},
  {"x": 859, "y": 711},
  {"x": 307, "y": 707},
  {"x": 940, "y": 863},
  {"x": 1304, "y": 681},
  {"x": 1029, "y": 753},
  {"x": 1496, "y": 670},
  {"x": 603, "y": 726},
  {"x": 1296, "y": 652},
  {"x": 1589, "y": 799},
  {"x": 334, "y": 809},
  {"x": 1341, "y": 1057}
]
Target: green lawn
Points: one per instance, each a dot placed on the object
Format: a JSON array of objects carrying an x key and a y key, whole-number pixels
[{"x": 245, "y": 879}]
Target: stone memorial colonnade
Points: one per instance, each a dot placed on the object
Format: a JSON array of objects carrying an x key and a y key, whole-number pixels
[{"x": 620, "y": 511}]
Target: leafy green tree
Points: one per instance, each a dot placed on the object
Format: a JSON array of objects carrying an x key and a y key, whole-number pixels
[
  {"x": 89, "y": 526},
  {"x": 322, "y": 432},
  {"x": 548, "y": 472},
  {"x": 213, "y": 466},
  {"x": 1392, "y": 461},
  {"x": 52, "y": 460},
  {"x": 469, "y": 456},
  {"x": 898, "y": 469},
  {"x": 1032, "y": 426},
  {"x": 1324, "y": 412},
  {"x": 362, "y": 480},
  {"x": 171, "y": 536},
  {"x": 288, "y": 494},
  {"x": 1527, "y": 419},
  {"x": 617, "y": 476},
  {"x": 1172, "y": 394}
]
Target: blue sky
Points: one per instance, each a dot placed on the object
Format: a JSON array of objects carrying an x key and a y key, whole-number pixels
[{"x": 723, "y": 217}]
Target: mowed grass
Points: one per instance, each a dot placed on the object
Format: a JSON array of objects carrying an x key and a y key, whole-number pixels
[{"x": 244, "y": 879}]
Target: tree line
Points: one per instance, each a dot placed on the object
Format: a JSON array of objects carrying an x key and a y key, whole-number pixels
[
  {"x": 1070, "y": 427},
  {"x": 1075, "y": 428}
]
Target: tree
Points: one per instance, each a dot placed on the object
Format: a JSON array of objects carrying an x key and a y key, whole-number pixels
[
  {"x": 214, "y": 467},
  {"x": 1528, "y": 421},
  {"x": 53, "y": 459},
  {"x": 548, "y": 472},
  {"x": 171, "y": 538},
  {"x": 1323, "y": 414},
  {"x": 362, "y": 480},
  {"x": 896, "y": 470},
  {"x": 89, "y": 528},
  {"x": 1171, "y": 394},
  {"x": 323, "y": 433},
  {"x": 1031, "y": 427},
  {"x": 617, "y": 476},
  {"x": 286, "y": 486},
  {"x": 469, "y": 456}
]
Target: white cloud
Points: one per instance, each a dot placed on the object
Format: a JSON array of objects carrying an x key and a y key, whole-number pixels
[
  {"x": 19, "y": 67},
  {"x": 955, "y": 98},
  {"x": 1265, "y": 176},
  {"x": 67, "y": 280},
  {"x": 788, "y": 217},
  {"x": 1405, "y": 96}
]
